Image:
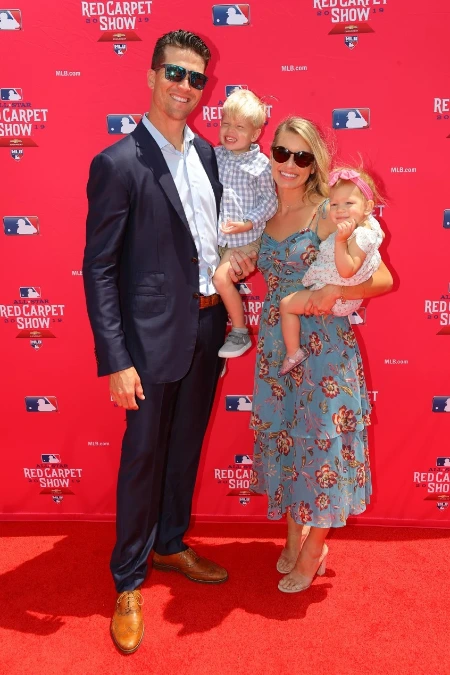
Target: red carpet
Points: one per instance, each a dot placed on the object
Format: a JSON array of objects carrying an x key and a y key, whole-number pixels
[{"x": 381, "y": 607}]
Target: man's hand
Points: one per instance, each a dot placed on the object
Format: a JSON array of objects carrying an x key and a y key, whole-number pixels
[
  {"x": 320, "y": 302},
  {"x": 345, "y": 229},
  {"x": 124, "y": 386},
  {"x": 241, "y": 265}
]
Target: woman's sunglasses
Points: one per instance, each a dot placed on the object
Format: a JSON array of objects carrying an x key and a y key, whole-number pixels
[
  {"x": 301, "y": 158},
  {"x": 178, "y": 74}
]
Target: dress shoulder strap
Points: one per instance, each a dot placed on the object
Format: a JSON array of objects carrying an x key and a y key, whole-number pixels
[{"x": 320, "y": 212}]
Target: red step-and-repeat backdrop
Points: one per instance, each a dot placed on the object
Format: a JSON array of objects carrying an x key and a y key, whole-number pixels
[{"x": 374, "y": 75}]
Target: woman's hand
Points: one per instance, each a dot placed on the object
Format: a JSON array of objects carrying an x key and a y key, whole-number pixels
[
  {"x": 320, "y": 302},
  {"x": 241, "y": 265}
]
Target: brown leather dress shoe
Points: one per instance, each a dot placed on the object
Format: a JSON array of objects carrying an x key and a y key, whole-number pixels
[
  {"x": 127, "y": 624},
  {"x": 192, "y": 566}
]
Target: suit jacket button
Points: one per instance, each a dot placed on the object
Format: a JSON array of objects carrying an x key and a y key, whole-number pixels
[
  {"x": 196, "y": 295},
  {"x": 194, "y": 260}
]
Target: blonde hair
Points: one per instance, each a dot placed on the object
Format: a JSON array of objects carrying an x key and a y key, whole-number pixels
[
  {"x": 244, "y": 103},
  {"x": 377, "y": 198},
  {"x": 317, "y": 182}
]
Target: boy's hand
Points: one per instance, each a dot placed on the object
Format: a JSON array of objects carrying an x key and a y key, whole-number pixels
[
  {"x": 345, "y": 229},
  {"x": 232, "y": 226}
]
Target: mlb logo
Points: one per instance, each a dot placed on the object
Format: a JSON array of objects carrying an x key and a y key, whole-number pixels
[
  {"x": 229, "y": 88},
  {"x": 443, "y": 461},
  {"x": 10, "y": 94},
  {"x": 446, "y": 220},
  {"x": 351, "y": 41},
  {"x": 358, "y": 318},
  {"x": 16, "y": 153},
  {"x": 231, "y": 15},
  {"x": 239, "y": 403},
  {"x": 441, "y": 404},
  {"x": 51, "y": 459},
  {"x": 244, "y": 288},
  {"x": 122, "y": 124},
  {"x": 36, "y": 344},
  {"x": 41, "y": 404},
  {"x": 120, "y": 49},
  {"x": 243, "y": 459},
  {"x": 30, "y": 291},
  {"x": 15, "y": 225},
  {"x": 10, "y": 19},
  {"x": 351, "y": 118}
]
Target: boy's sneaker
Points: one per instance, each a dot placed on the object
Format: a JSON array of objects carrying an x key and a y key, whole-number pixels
[{"x": 236, "y": 343}]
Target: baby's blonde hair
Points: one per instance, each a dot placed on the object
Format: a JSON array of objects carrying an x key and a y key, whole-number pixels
[
  {"x": 377, "y": 198},
  {"x": 244, "y": 103}
]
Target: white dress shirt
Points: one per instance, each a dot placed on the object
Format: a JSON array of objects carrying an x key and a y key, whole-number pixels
[{"x": 197, "y": 198}]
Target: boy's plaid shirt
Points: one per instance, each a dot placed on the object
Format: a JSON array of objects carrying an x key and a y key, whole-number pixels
[{"x": 248, "y": 193}]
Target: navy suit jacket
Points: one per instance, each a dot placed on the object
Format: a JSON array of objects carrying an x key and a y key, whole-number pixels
[{"x": 140, "y": 268}]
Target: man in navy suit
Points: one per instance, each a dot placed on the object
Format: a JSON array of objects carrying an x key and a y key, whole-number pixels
[{"x": 158, "y": 323}]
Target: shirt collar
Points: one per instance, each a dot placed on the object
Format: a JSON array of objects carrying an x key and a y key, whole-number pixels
[
  {"x": 243, "y": 156},
  {"x": 160, "y": 139}
]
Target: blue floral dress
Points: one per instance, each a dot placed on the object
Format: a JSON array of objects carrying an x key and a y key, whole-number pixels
[{"x": 310, "y": 454}]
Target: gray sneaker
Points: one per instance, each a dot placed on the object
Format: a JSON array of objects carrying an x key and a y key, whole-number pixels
[{"x": 236, "y": 344}]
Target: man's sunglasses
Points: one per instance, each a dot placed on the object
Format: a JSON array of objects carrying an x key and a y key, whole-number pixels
[
  {"x": 301, "y": 158},
  {"x": 178, "y": 74}
]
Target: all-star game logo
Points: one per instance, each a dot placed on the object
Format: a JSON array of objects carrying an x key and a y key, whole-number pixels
[
  {"x": 118, "y": 22},
  {"x": 33, "y": 315},
  {"x": 436, "y": 481},
  {"x": 53, "y": 477},
  {"x": 19, "y": 120},
  {"x": 237, "y": 477},
  {"x": 349, "y": 17},
  {"x": 439, "y": 311}
]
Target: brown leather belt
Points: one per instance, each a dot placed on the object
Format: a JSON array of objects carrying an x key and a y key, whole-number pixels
[{"x": 209, "y": 300}]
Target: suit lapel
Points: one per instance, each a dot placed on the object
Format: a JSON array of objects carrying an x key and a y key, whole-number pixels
[{"x": 150, "y": 153}]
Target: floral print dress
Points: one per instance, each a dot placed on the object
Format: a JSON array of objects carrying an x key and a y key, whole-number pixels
[{"x": 310, "y": 453}]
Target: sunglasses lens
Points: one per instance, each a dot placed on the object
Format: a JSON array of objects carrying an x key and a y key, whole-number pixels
[
  {"x": 303, "y": 159},
  {"x": 280, "y": 154},
  {"x": 175, "y": 73},
  {"x": 197, "y": 80}
]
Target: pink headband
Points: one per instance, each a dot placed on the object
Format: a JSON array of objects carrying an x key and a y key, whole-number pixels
[{"x": 354, "y": 176}]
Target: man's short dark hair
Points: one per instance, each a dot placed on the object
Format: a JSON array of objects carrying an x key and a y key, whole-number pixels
[{"x": 182, "y": 39}]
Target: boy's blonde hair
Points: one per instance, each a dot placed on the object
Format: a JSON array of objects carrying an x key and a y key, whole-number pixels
[
  {"x": 377, "y": 198},
  {"x": 317, "y": 183},
  {"x": 244, "y": 103}
]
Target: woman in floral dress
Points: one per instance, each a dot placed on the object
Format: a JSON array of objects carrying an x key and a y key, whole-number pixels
[{"x": 310, "y": 453}]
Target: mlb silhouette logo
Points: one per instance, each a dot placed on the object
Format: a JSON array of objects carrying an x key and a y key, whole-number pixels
[
  {"x": 244, "y": 288},
  {"x": 351, "y": 118},
  {"x": 51, "y": 459},
  {"x": 10, "y": 19},
  {"x": 243, "y": 459},
  {"x": 36, "y": 404},
  {"x": 16, "y": 154},
  {"x": 446, "y": 220},
  {"x": 17, "y": 225},
  {"x": 239, "y": 403},
  {"x": 120, "y": 49},
  {"x": 122, "y": 124},
  {"x": 443, "y": 461},
  {"x": 10, "y": 94},
  {"x": 231, "y": 15},
  {"x": 229, "y": 88},
  {"x": 36, "y": 344},
  {"x": 351, "y": 41},
  {"x": 30, "y": 291},
  {"x": 358, "y": 318},
  {"x": 441, "y": 404}
]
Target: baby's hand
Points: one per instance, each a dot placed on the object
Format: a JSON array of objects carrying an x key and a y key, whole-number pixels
[
  {"x": 345, "y": 230},
  {"x": 231, "y": 227}
]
